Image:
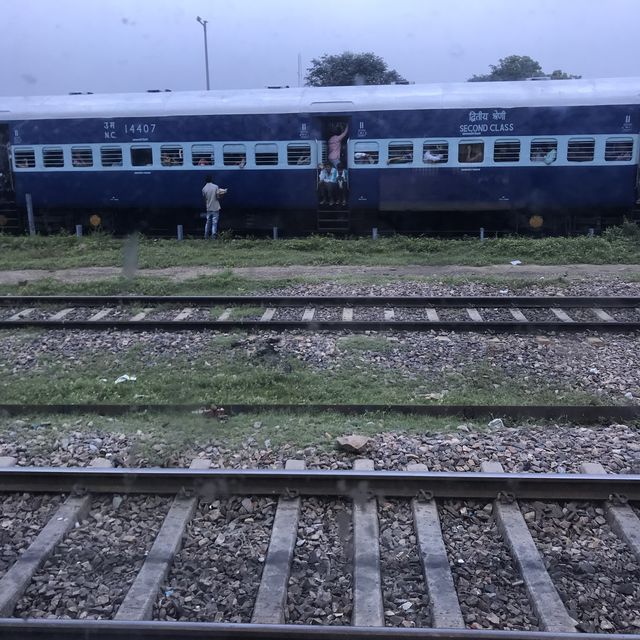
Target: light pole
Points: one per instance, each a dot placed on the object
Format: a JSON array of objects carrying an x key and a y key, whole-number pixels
[{"x": 206, "y": 49}]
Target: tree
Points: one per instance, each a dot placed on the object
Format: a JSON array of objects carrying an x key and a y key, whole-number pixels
[
  {"x": 561, "y": 75},
  {"x": 350, "y": 68},
  {"x": 519, "y": 68}
]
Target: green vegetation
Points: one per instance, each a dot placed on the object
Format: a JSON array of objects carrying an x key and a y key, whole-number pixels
[
  {"x": 616, "y": 246},
  {"x": 225, "y": 283},
  {"x": 520, "y": 68},
  {"x": 237, "y": 313},
  {"x": 348, "y": 68},
  {"x": 236, "y": 369}
]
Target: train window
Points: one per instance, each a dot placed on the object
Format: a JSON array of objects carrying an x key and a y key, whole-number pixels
[
  {"x": 543, "y": 151},
  {"x": 141, "y": 156},
  {"x": 366, "y": 153},
  {"x": 506, "y": 151},
  {"x": 171, "y": 155},
  {"x": 234, "y": 154},
  {"x": 581, "y": 149},
  {"x": 202, "y": 155},
  {"x": 81, "y": 157},
  {"x": 400, "y": 152},
  {"x": 298, "y": 153},
  {"x": 111, "y": 156},
  {"x": 24, "y": 158},
  {"x": 52, "y": 157},
  {"x": 469, "y": 152},
  {"x": 618, "y": 149},
  {"x": 266, "y": 154},
  {"x": 435, "y": 152}
]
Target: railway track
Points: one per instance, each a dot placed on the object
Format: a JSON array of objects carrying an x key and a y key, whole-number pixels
[
  {"x": 351, "y": 313},
  {"x": 368, "y": 493}
]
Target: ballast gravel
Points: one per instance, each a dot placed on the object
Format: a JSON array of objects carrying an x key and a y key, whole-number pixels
[
  {"x": 216, "y": 574},
  {"x": 90, "y": 571},
  {"x": 490, "y": 591},
  {"x": 404, "y": 593},
  {"x": 466, "y": 286},
  {"x": 22, "y": 516},
  {"x": 462, "y": 447},
  {"x": 320, "y": 583},
  {"x": 594, "y": 572}
]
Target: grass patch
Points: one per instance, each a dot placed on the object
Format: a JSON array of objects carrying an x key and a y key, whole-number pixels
[
  {"x": 356, "y": 343},
  {"x": 613, "y": 247},
  {"x": 226, "y": 283},
  {"x": 213, "y": 379},
  {"x": 237, "y": 313},
  {"x": 230, "y": 369},
  {"x": 216, "y": 311},
  {"x": 487, "y": 386}
]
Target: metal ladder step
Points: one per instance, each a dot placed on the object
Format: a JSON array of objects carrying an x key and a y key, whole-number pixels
[
  {"x": 334, "y": 220},
  {"x": 9, "y": 216}
]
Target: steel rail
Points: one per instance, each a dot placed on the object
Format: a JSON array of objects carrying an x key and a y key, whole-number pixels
[
  {"x": 584, "y": 413},
  {"x": 354, "y": 484},
  {"x": 32, "y": 629},
  {"x": 324, "y": 325},
  {"x": 357, "y": 301}
]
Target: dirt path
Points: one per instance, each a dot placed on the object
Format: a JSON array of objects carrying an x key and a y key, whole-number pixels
[{"x": 179, "y": 274}]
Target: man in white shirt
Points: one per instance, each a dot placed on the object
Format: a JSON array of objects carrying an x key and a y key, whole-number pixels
[
  {"x": 328, "y": 184},
  {"x": 211, "y": 192}
]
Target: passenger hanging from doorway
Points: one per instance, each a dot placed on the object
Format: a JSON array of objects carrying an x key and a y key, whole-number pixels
[
  {"x": 342, "y": 180},
  {"x": 327, "y": 184},
  {"x": 335, "y": 145}
]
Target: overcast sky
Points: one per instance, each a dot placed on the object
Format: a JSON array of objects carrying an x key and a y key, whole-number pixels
[{"x": 57, "y": 46}]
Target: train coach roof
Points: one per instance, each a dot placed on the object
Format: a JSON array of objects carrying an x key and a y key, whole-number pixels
[{"x": 463, "y": 95}]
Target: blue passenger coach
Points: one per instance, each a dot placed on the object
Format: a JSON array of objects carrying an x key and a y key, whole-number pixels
[{"x": 507, "y": 155}]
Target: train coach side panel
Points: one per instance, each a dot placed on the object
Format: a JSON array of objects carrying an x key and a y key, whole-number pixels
[
  {"x": 176, "y": 189},
  {"x": 488, "y": 188}
]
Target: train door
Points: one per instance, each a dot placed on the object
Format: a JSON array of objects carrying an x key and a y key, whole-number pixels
[
  {"x": 638, "y": 171},
  {"x": 635, "y": 214},
  {"x": 6, "y": 181},
  {"x": 8, "y": 209},
  {"x": 333, "y": 212}
]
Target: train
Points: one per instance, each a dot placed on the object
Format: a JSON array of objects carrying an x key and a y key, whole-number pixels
[{"x": 520, "y": 156}]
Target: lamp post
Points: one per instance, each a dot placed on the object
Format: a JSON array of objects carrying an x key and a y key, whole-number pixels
[{"x": 206, "y": 49}]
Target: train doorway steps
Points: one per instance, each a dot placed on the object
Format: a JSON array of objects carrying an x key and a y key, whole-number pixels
[
  {"x": 10, "y": 221},
  {"x": 334, "y": 219}
]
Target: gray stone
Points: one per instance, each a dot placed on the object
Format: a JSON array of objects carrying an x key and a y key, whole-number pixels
[{"x": 354, "y": 443}]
